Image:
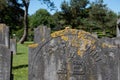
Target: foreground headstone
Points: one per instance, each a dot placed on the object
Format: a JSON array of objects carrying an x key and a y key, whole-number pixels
[
  {"x": 13, "y": 46},
  {"x": 41, "y": 33},
  {"x": 5, "y": 63},
  {"x": 4, "y": 35},
  {"x": 72, "y": 54}
]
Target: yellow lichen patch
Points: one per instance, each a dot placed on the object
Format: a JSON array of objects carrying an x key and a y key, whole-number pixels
[
  {"x": 75, "y": 42},
  {"x": 80, "y": 53},
  {"x": 64, "y": 32},
  {"x": 67, "y": 27},
  {"x": 94, "y": 47},
  {"x": 85, "y": 41},
  {"x": 33, "y": 45},
  {"x": 80, "y": 39},
  {"x": 57, "y": 33},
  {"x": 104, "y": 45},
  {"x": 73, "y": 31},
  {"x": 65, "y": 38}
]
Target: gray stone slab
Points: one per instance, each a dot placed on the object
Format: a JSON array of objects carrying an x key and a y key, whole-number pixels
[
  {"x": 112, "y": 41},
  {"x": 95, "y": 34},
  {"x": 13, "y": 46},
  {"x": 118, "y": 28},
  {"x": 73, "y": 55},
  {"x": 5, "y": 63},
  {"x": 4, "y": 35},
  {"x": 41, "y": 33}
]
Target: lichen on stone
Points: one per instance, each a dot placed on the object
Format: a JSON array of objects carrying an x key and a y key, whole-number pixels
[
  {"x": 65, "y": 38},
  {"x": 104, "y": 45},
  {"x": 80, "y": 40},
  {"x": 33, "y": 45}
]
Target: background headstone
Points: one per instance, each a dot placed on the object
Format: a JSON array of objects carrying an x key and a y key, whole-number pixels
[
  {"x": 72, "y": 54},
  {"x": 41, "y": 33},
  {"x": 118, "y": 28},
  {"x": 112, "y": 41},
  {"x": 95, "y": 34},
  {"x": 13, "y": 46},
  {"x": 4, "y": 35},
  {"x": 5, "y": 63}
]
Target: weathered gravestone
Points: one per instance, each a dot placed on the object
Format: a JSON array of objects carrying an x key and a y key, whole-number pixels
[
  {"x": 112, "y": 41},
  {"x": 41, "y": 33},
  {"x": 4, "y": 35},
  {"x": 13, "y": 46},
  {"x": 72, "y": 54},
  {"x": 118, "y": 28},
  {"x": 95, "y": 34},
  {"x": 5, "y": 63}
]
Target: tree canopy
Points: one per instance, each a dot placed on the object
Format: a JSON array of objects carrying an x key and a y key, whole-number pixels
[{"x": 80, "y": 14}]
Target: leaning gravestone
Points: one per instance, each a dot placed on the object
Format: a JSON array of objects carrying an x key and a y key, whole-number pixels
[
  {"x": 5, "y": 63},
  {"x": 4, "y": 35},
  {"x": 72, "y": 54}
]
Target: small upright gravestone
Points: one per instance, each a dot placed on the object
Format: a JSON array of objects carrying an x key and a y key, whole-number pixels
[
  {"x": 5, "y": 63},
  {"x": 4, "y": 35},
  {"x": 72, "y": 54},
  {"x": 41, "y": 34},
  {"x": 13, "y": 46}
]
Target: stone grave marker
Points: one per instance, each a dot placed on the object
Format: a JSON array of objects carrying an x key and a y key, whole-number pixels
[
  {"x": 72, "y": 54},
  {"x": 112, "y": 41},
  {"x": 95, "y": 34},
  {"x": 13, "y": 46},
  {"x": 41, "y": 33},
  {"x": 4, "y": 35},
  {"x": 118, "y": 28},
  {"x": 5, "y": 63}
]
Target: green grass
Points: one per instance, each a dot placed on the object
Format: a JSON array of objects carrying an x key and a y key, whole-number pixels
[{"x": 20, "y": 62}]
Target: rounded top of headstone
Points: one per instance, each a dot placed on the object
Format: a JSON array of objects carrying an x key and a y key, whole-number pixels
[
  {"x": 76, "y": 38},
  {"x": 79, "y": 39},
  {"x": 67, "y": 31}
]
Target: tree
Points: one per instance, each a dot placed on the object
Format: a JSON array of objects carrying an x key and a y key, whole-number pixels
[
  {"x": 3, "y": 4},
  {"x": 58, "y": 20},
  {"x": 100, "y": 17},
  {"x": 41, "y": 17},
  {"x": 26, "y": 6},
  {"x": 11, "y": 14},
  {"x": 74, "y": 12}
]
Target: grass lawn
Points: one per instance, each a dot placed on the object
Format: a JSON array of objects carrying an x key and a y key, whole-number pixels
[{"x": 20, "y": 62}]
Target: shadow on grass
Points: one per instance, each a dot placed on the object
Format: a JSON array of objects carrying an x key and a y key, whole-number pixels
[
  {"x": 19, "y": 53},
  {"x": 20, "y": 66}
]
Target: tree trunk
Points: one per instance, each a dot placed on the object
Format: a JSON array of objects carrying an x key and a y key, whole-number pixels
[{"x": 24, "y": 37}]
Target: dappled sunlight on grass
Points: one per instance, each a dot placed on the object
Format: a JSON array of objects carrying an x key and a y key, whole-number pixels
[{"x": 20, "y": 62}]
